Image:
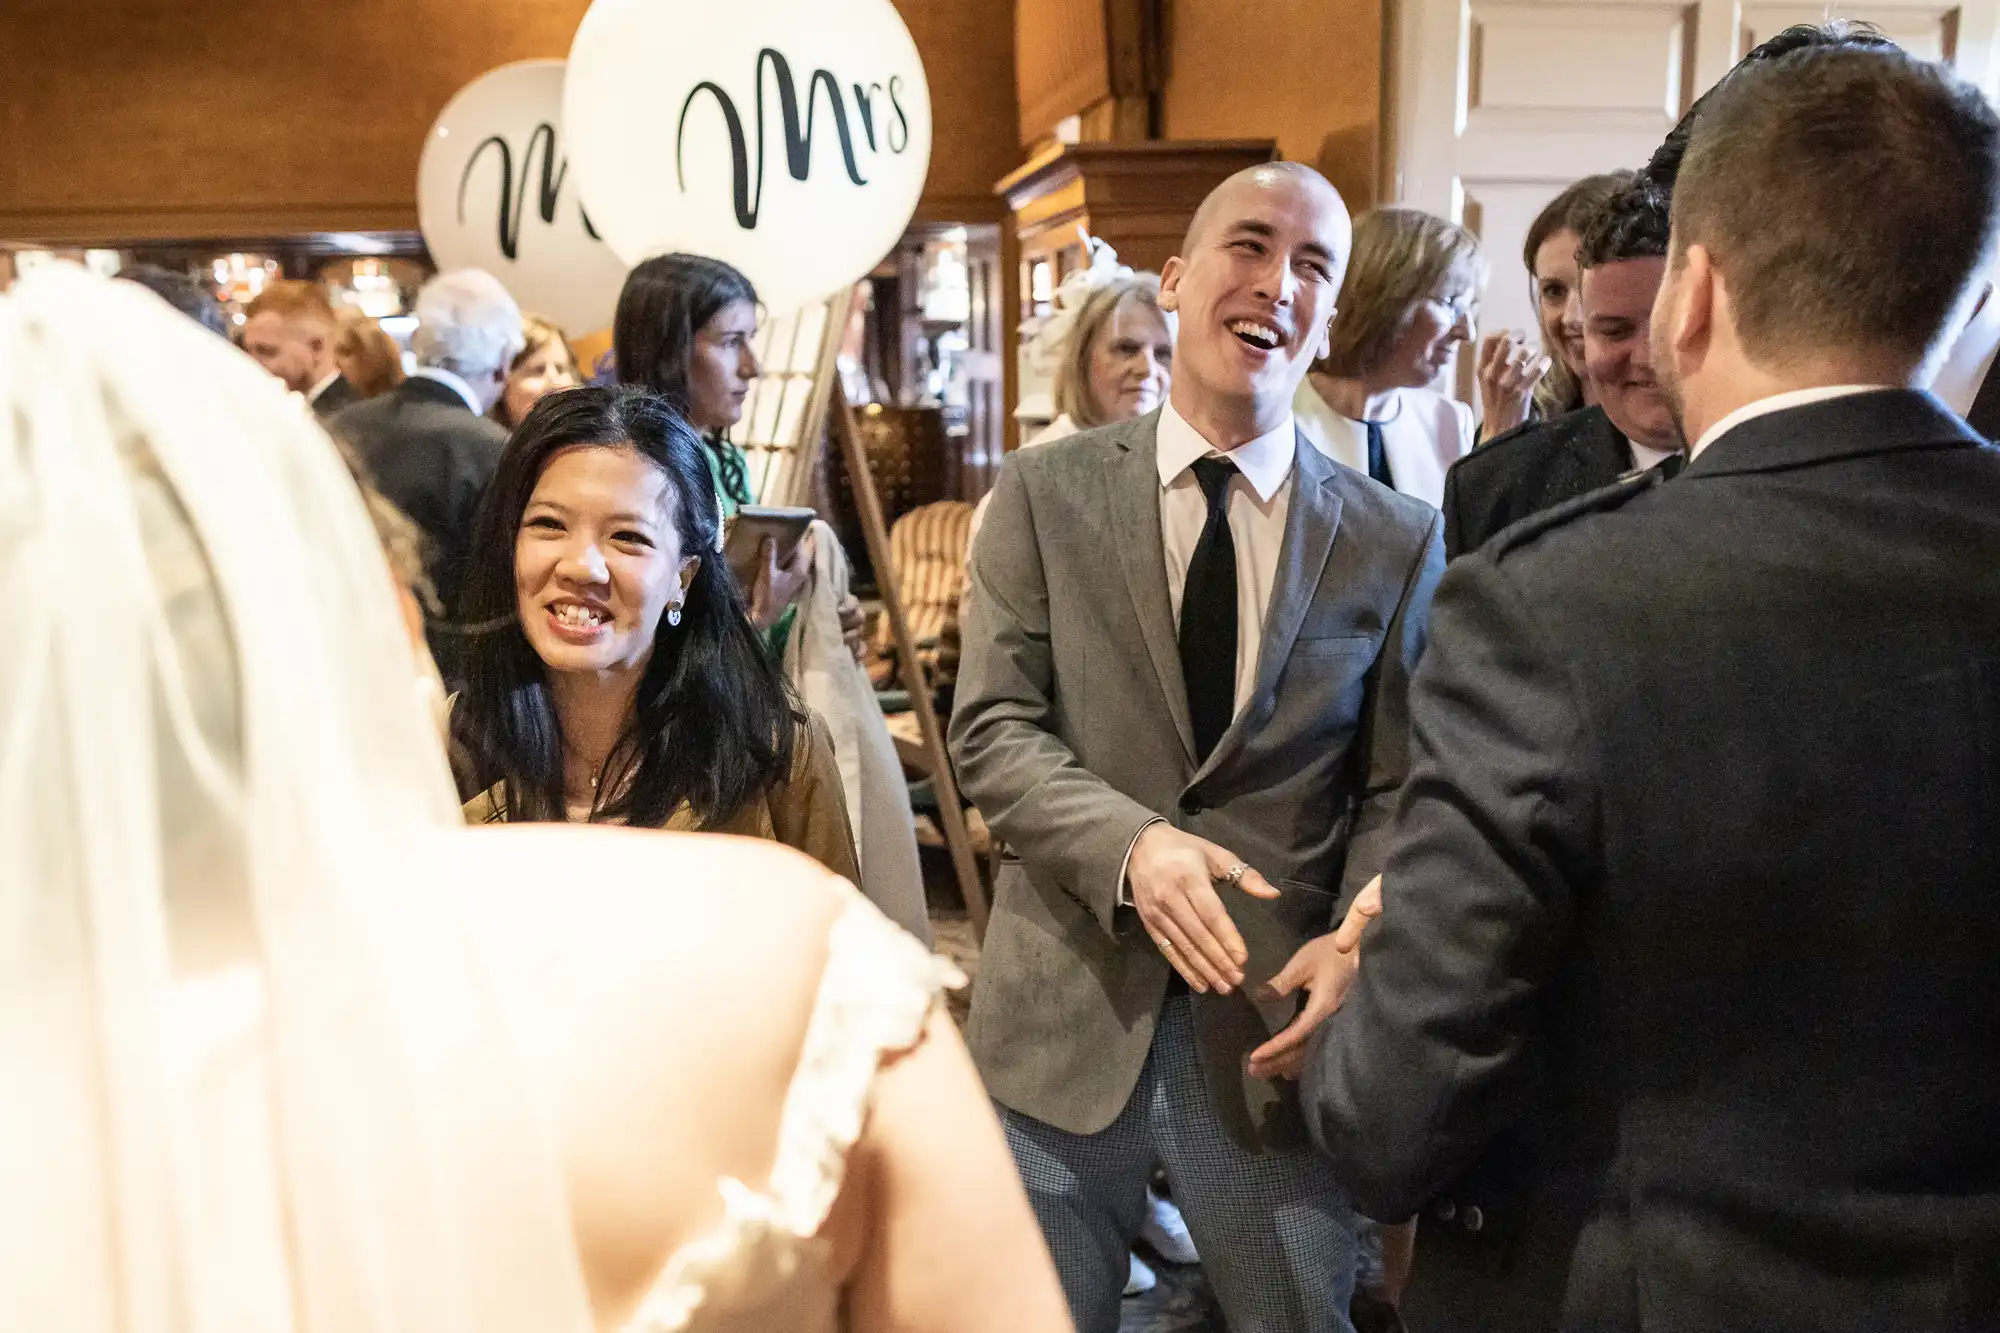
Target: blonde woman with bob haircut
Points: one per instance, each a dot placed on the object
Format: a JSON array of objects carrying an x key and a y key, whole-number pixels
[
  {"x": 544, "y": 365},
  {"x": 1115, "y": 362},
  {"x": 1118, "y": 359},
  {"x": 1411, "y": 297}
]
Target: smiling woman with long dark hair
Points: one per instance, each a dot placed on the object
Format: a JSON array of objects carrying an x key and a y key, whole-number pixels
[{"x": 612, "y": 675}]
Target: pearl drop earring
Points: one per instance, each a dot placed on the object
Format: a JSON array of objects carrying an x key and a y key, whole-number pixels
[{"x": 674, "y": 615}]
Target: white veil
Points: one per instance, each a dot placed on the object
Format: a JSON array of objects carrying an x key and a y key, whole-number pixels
[{"x": 222, "y": 803}]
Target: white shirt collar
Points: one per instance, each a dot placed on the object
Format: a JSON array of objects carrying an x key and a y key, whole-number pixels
[
  {"x": 1265, "y": 462},
  {"x": 1777, "y": 402},
  {"x": 447, "y": 378},
  {"x": 1645, "y": 457},
  {"x": 312, "y": 394}
]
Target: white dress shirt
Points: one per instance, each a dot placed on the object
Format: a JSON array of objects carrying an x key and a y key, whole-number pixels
[
  {"x": 312, "y": 394},
  {"x": 1645, "y": 457},
  {"x": 1777, "y": 402},
  {"x": 450, "y": 381},
  {"x": 1423, "y": 434},
  {"x": 1258, "y": 500}
]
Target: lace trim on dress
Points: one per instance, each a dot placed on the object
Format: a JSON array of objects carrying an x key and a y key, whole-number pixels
[{"x": 874, "y": 998}]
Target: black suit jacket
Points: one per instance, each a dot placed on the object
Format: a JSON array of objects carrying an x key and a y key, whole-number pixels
[
  {"x": 335, "y": 396},
  {"x": 1529, "y": 469},
  {"x": 431, "y": 456},
  {"x": 1703, "y": 824}
]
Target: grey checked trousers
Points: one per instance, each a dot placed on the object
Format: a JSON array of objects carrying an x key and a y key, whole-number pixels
[{"x": 1275, "y": 1234}]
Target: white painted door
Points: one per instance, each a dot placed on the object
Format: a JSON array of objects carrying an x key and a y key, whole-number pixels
[{"x": 1501, "y": 103}]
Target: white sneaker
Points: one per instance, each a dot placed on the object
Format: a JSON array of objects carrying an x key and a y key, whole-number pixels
[
  {"x": 1167, "y": 1232},
  {"x": 1141, "y": 1279}
]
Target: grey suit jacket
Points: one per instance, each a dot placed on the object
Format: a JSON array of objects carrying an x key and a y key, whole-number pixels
[{"x": 1071, "y": 733}]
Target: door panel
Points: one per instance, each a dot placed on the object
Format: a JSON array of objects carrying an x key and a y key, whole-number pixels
[{"x": 1502, "y": 103}]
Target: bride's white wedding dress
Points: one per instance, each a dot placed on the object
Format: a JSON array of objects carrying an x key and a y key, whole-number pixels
[
  {"x": 763, "y": 1268},
  {"x": 256, "y": 1071}
]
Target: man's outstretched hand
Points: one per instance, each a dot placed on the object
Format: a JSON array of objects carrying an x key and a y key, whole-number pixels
[
  {"x": 1174, "y": 877},
  {"x": 1324, "y": 968}
]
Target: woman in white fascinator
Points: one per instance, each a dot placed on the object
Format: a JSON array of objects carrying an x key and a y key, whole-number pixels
[
  {"x": 1108, "y": 346},
  {"x": 289, "y": 1049}
]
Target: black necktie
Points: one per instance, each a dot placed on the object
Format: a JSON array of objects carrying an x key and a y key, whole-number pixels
[
  {"x": 1208, "y": 614},
  {"x": 1670, "y": 466},
  {"x": 1378, "y": 456}
]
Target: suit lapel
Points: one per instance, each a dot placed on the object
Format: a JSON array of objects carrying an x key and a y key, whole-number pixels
[
  {"x": 1133, "y": 479},
  {"x": 1311, "y": 519}
]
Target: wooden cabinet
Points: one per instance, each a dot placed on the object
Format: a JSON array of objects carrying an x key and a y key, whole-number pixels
[{"x": 1138, "y": 197}]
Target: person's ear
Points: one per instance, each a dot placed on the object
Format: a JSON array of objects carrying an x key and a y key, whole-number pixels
[
  {"x": 1697, "y": 305},
  {"x": 690, "y": 566},
  {"x": 1324, "y": 348},
  {"x": 1170, "y": 282}
]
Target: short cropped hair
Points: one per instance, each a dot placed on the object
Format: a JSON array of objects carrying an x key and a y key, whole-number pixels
[
  {"x": 292, "y": 298},
  {"x": 1631, "y": 224},
  {"x": 1401, "y": 256},
  {"x": 182, "y": 293},
  {"x": 467, "y": 324},
  {"x": 1666, "y": 162},
  {"x": 1847, "y": 196},
  {"x": 1092, "y": 318}
]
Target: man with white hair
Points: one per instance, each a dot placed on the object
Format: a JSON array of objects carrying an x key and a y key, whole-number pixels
[{"x": 427, "y": 444}]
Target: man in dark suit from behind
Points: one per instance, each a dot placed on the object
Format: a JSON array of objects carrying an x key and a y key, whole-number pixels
[
  {"x": 1696, "y": 878},
  {"x": 427, "y": 443},
  {"x": 1620, "y": 256},
  {"x": 288, "y": 328}
]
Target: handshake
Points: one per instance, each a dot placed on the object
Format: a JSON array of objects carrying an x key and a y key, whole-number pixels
[{"x": 1174, "y": 878}]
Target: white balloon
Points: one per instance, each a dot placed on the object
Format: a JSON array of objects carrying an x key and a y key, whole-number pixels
[
  {"x": 790, "y": 138},
  {"x": 494, "y": 191}
]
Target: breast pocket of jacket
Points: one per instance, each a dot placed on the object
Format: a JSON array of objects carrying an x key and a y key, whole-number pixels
[
  {"x": 1328, "y": 676},
  {"x": 1337, "y": 645}
]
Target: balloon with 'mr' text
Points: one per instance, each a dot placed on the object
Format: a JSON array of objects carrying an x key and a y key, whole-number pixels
[
  {"x": 788, "y": 137},
  {"x": 495, "y": 191}
]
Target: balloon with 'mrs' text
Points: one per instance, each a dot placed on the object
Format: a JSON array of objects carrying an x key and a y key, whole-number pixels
[
  {"x": 495, "y": 191},
  {"x": 790, "y": 138}
]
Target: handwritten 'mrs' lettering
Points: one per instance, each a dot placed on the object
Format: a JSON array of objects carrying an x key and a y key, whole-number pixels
[
  {"x": 748, "y": 179},
  {"x": 514, "y": 193}
]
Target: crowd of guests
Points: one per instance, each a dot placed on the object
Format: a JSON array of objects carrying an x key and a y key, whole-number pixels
[
  {"x": 1516, "y": 865},
  {"x": 1612, "y": 1033}
]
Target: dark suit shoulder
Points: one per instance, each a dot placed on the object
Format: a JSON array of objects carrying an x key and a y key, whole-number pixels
[
  {"x": 1518, "y": 536},
  {"x": 1521, "y": 446}
]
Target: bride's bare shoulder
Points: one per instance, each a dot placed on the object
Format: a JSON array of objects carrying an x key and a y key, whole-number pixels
[
  {"x": 659, "y": 986},
  {"x": 612, "y": 891},
  {"x": 675, "y": 949}
]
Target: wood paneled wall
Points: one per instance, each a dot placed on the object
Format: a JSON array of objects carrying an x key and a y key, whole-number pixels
[
  {"x": 1305, "y": 72},
  {"x": 140, "y": 119},
  {"x": 1062, "y": 56}
]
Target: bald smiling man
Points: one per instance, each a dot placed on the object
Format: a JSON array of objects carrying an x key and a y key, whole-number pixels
[{"x": 1182, "y": 707}]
